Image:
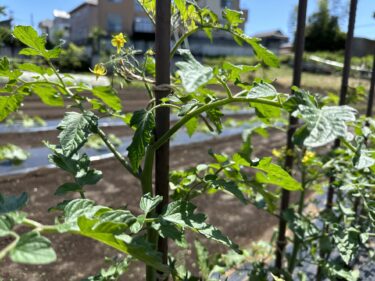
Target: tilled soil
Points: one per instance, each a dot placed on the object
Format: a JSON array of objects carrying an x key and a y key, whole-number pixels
[{"x": 79, "y": 257}]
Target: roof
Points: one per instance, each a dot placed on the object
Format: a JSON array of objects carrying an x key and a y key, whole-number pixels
[
  {"x": 273, "y": 33},
  {"x": 61, "y": 14},
  {"x": 85, "y": 3}
]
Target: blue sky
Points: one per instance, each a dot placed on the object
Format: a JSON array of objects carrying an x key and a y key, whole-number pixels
[{"x": 264, "y": 15}]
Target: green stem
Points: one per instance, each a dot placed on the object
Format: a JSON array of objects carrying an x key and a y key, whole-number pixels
[
  {"x": 348, "y": 145},
  {"x": 4, "y": 252},
  {"x": 205, "y": 108},
  {"x": 181, "y": 40},
  {"x": 296, "y": 241},
  {"x": 146, "y": 177},
  {"x": 117, "y": 154},
  {"x": 146, "y": 181},
  {"x": 225, "y": 86}
]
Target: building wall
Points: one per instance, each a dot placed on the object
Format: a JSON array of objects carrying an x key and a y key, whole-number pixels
[
  {"x": 118, "y": 15},
  {"x": 81, "y": 23}
]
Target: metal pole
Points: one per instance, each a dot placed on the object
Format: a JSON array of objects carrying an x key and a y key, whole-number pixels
[
  {"x": 162, "y": 50},
  {"x": 370, "y": 102},
  {"x": 344, "y": 83},
  {"x": 293, "y": 122}
]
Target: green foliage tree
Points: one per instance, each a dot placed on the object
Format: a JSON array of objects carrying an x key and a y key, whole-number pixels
[{"x": 323, "y": 31}]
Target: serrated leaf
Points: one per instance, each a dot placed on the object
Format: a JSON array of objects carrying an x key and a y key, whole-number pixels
[
  {"x": 326, "y": 124},
  {"x": 262, "y": 53},
  {"x": 68, "y": 187},
  {"x": 192, "y": 126},
  {"x": 182, "y": 214},
  {"x": 181, "y": 6},
  {"x": 229, "y": 186},
  {"x": 109, "y": 96},
  {"x": 104, "y": 224},
  {"x": 149, "y": 203},
  {"x": 35, "y": 43},
  {"x": 193, "y": 74},
  {"x": 33, "y": 249},
  {"x": 274, "y": 174},
  {"x": 48, "y": 95},
  {"x": 5, "y": 70},
  {"x": 75, "y": 129},
  {"x": 347, "y": 242},
  {"x": 234, "y": 18},
  {"x": 9, "y": 104},
  {"x": 262, "y": 90},
  {"x": 12, "y": 203},
  {"x": 144, "y": 121},
  {"x": 35, "y": 68}
]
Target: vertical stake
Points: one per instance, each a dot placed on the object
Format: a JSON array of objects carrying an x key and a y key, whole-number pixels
[
  {"x": 344, "y": 84},
  {"x": 162, "y": 50},
  {"x": 371, "y": 94},
  {"x": 297, "y": 72}
]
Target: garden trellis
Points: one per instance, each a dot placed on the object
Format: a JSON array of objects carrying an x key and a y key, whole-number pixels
[{"x": 165, "y": 213}]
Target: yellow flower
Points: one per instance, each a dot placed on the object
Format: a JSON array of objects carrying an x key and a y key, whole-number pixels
[
  {"x": 308, "y": 156},
  {"x": 99, "y": 70},
  {"x": 118, "y": 41},
  {"x": 276, "y": 153}
]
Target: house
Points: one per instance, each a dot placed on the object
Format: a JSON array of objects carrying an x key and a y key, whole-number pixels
[
  {"x": 112, "y": 16},
  {"x": 61, "y": 26},
  {"x": 273, "y": 40}
]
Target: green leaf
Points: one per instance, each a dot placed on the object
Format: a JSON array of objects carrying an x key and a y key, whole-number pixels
[
  {"x": 88, "y": 177},
  {"x": 5, "y": 70},
  {"x": 214, "y": 115},
  {"x": 181, "y": 6},
  {"x": 149, "y": 203},
  {"x": 193, "y": 74},
  {"x": 192, "y": 126},
  {"x": 363, "y": 159},
  {"x": 35, "y": 68},
  {"x": 35, "y": 43},
  {"x": 234, "y": 18},
  {"x": 6, "y": 225},
  {"x": 33, "y": 249},
  {"x": 13, "y": 153},
  {"x": 182, "y": 214},
  {"x": 48, "y": 95},
  {"x": 262, "y": 53},
  {"x": 68, "y": 187},
  {"x": 235, "y": 71},
  {"x": 262, "y": 90},
  {"x": 202, "y": 259},
  {"x": 347, "y": 242},
  {"x": 109, "y": 96},
  {"x": 104, "y": 224},
  {"x": 12, "y": 203},
  {"x": 326, "y": 124},
  {"x": 229, "y": 186},
  {"x": 274, "y": 174},
  {"x": 115, "y": 222},
  {"x": 9, "y": 104},
  {"x": 75, "y": 129},
  {"x": 144, "y": 121}
]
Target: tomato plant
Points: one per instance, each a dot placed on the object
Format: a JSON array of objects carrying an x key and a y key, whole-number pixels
[{"x": 252, "y": 180}]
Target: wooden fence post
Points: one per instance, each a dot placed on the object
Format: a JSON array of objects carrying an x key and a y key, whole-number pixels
[{"x": 297, "y": 72}]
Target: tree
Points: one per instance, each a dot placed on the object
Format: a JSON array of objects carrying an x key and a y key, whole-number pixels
[{"x": 323, "y": 31}]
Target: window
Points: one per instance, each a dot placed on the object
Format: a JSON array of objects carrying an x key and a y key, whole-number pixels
[
  {"x": 114, "y": 23},
  {"x": 138, "y": 7},
  {"x": 115, "y": 1},
  {"x": 227, "y": 4}
]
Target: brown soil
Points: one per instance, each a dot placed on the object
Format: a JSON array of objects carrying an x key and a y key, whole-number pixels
[{"x": 79, "y": 257}]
